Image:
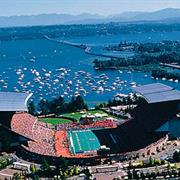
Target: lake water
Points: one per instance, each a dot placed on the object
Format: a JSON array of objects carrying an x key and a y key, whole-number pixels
[{"x": 31, "y": 66}]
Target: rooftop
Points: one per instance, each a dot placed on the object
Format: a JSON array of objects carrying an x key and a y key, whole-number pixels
[
  {"x": 11, "y": 101},
  {"x": 157, "y": 92}
]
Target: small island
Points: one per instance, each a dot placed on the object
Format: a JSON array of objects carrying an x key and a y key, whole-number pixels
[{"x": 162, "y": 59}]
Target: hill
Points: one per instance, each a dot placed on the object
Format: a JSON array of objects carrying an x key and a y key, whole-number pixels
[{"x": 164, "y": 15}]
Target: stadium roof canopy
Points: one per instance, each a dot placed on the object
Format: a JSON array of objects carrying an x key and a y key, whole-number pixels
[
  {"x": 157, "y": 92},
  {"x": 11, "y": 101}
]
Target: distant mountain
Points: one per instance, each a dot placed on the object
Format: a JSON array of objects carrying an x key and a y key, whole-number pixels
[
  {"x": 124, "y": 15},
  {"x": 164, "y": 15},
  {"x": 157, "y": 15},
  {"x": 161, "y": 15},
  {"x": 45, "y": 19}
]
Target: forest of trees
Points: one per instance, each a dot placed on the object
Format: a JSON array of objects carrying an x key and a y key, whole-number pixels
[
  {"x": 160, "y": 73},
  {"x": 137, "y": 60},
  {"x": 163, "y": 46},
  {"x": 144, "y": 54},
  {"x": 57, "y": 106}
]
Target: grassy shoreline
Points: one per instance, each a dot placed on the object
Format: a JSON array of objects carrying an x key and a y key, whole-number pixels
[{"x": 143, "y": 68}]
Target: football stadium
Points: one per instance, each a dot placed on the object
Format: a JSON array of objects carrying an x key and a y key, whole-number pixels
[{"x": 83, "y": 140}]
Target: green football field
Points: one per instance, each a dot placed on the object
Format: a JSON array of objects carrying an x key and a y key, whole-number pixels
[
  {"x": 55, "y": 121},
  {"x": 83, "y": 141},
  {"x": 77, "y": 115}
]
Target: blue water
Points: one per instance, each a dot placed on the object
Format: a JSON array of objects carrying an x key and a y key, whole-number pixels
[
  {"x": 131, "y": 37},
  {"x": 49, "y": 56}
]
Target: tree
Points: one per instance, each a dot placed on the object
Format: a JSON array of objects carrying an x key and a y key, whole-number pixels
[
  {"x": 76, "y": 170},
  {"x": 176, "y": 166},
  {"x": 130, "y": 164},
  {"x": 147, "y": 174},
  {"x": 80, "y": 104},
  {"x": 141, "y": 163},
  {"x": 87, "y": 173},
  {"x": 134, "y": 174},
  {"x": 142, "y": 175},
  {"x": 153, "y": 175},
  {"x": 17, "y": 176},
  {"x": 53, "y": 106},
  {"x": 169, "y": 166},
  {"x": 64, "y": 163},
  {"x": 158, "y": 162},
  {"x": 56, "y": 105},
  {"x": 45, "y": 166},
  {"x": 71, "y": 172},
  {"x": 170, "y": 173},
  {"x": 32, "y": 108},
  {"x": 176, "y": 156},
  {"x": 33, "y": 168},
  {"x": 130, "y": 175},
  {"x": 60, "y": 105},
  {"x": 44, "y": 106},
  {"x": 151, "y": 161},
  {"x": 71, "y": 107}
]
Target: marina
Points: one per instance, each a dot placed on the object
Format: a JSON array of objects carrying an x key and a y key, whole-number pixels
[{"x": 56, "y": 68}]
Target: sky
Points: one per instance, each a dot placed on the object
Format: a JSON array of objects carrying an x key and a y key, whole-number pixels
[{"x": 102, "y": 7}]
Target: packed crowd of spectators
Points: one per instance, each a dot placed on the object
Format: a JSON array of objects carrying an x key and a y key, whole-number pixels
[
  {"x": 40, "y": 147},
  {"x": 108, "y": 123},
  {"x": 29, "y": 126},
  {"x": 22, "y": 123},
  {"x": 42, "y": 137},
  {"x": 61, "y": 144},
  {"x": 61, "y": 127},
  {"x": 43, "y": 133}
]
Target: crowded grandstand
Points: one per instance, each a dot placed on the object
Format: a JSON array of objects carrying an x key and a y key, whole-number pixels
[{"x": 47, "y": 141}]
